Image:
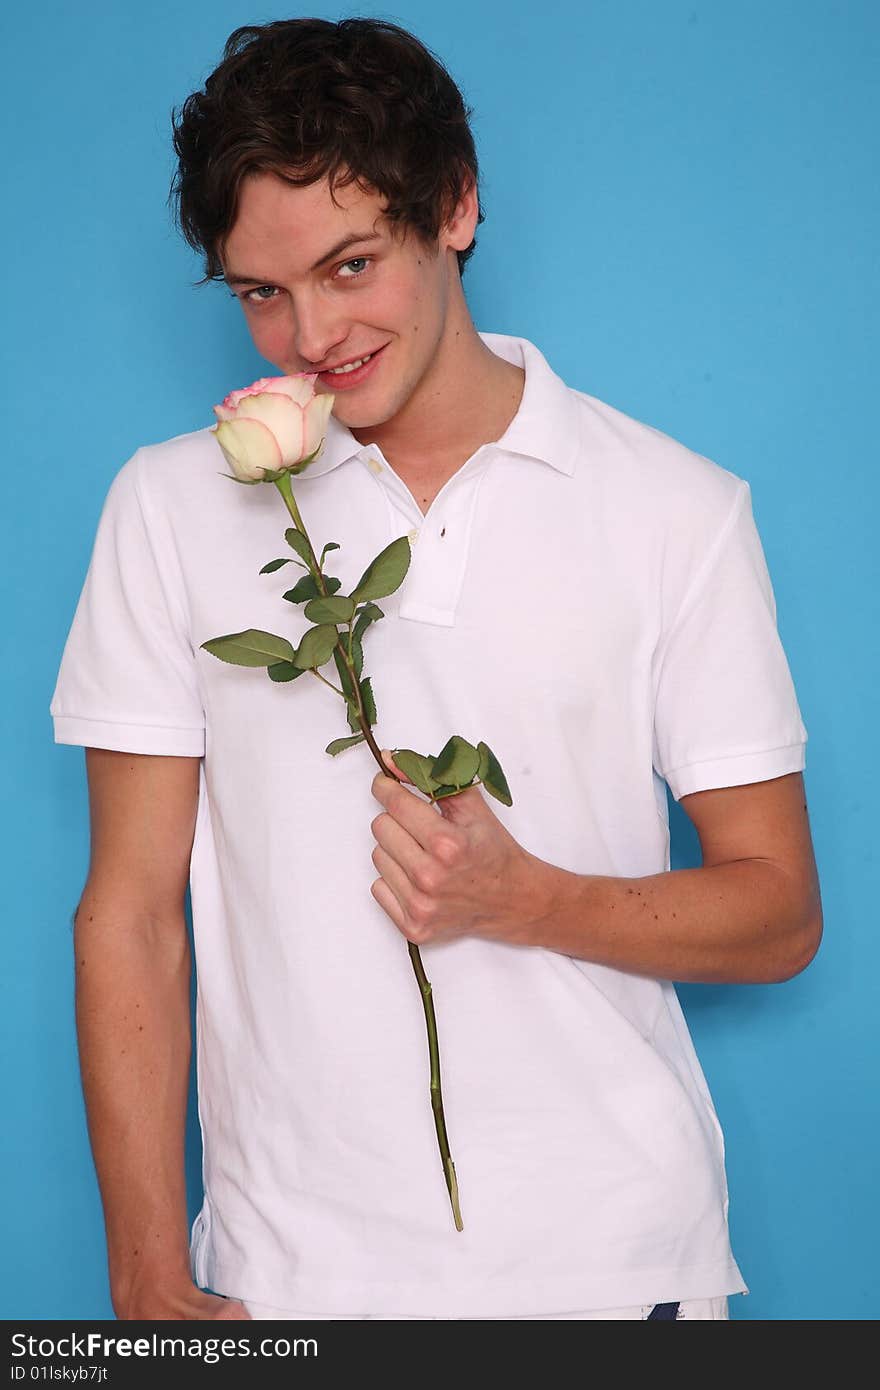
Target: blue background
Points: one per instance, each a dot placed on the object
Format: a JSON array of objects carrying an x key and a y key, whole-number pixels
[{"x": 681, "y": 211}]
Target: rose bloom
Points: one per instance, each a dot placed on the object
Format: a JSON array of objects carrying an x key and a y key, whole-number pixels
[{"x": 276, "y": 424}]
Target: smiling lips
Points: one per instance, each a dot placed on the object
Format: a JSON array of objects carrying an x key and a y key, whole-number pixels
[
  {"x": 352, "y": 373},
  {"x": 349, "y": 366}
]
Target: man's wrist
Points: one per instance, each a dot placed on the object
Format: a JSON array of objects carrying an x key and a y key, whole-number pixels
[
  {"x": 544, "y": 895},
  {"x": 159, "y": 1269},
  {"x": 151, "y": 1288}
]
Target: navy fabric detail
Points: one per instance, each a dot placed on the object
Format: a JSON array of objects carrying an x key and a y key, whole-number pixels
[{"x": 669, "y": 1311}]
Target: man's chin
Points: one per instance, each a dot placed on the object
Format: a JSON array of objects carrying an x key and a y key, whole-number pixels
[{"x": 363, "y": 418}]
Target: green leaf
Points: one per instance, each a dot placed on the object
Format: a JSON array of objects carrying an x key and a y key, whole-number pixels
[
  {"x": 250, "y": 648},
  {"x": 339, "y": 744},
  {"x": 316, "y": 647},
  {"x": 274, "y": 565},
  {"x": 284, "y": 671},
  {"x": 484, "y": 752},
  {"x": 417, "y": 768},
  {"x": 370, "y": 613},
  {"x": 347, "y": 684},
  {"x": 331, "y": 545},
  {"x": 298, "y": 542},
  {"x": 344, "y": 675},
  {"x": 386, "y": 573},
  {"x": 368, "y": 701},
  {"x": 457, "y": 762},
  {"x": 357, "y": 654},
  {"x": 491, "y": 775},
  {"x": 307, "y": 588},
  {"x": 330, "y": 610}
]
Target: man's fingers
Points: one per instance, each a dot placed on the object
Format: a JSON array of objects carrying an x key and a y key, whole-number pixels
[
  {"x": 407, "y": 808},
  {"x": 393, "y": 875},
  {"x": 387, "y": 901},
  {"x": 389, "y": 761},
  {"x": 401, "y": 845}
]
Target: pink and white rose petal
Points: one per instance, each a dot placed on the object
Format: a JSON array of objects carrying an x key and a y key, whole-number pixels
[{"x": 273, "y": 425}]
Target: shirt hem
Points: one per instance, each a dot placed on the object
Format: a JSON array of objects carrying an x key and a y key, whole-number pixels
[
  {"x": 571, "y": 1293},
  {"x": 736, "y": 770},
  {"x": 129, "y": 738}
]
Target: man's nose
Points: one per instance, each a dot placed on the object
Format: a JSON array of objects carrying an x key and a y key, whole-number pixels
[{"x": 318, "y": 331}]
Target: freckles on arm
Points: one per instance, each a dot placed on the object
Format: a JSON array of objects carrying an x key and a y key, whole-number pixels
[{"x": 750, "y": 914}]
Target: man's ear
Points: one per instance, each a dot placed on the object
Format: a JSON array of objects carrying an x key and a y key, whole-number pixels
[{"x": 458, "y": 231}]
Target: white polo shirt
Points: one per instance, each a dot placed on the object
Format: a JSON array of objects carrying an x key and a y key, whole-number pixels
[{"x": 591, "y": 599}]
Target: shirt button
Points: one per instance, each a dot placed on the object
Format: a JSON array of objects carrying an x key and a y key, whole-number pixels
[{"x": 374, "y": 465}]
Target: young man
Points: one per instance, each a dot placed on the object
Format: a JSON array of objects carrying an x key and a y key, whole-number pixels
[{"x": 586, "y": 595}]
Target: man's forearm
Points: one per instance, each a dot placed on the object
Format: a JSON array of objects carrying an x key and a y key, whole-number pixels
[
  {"x": 133, "y": 1025},
  {"x": 741, "y": 922}
]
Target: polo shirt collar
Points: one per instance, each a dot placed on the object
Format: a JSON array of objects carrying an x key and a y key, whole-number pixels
[{"x": 545, "y": 427}]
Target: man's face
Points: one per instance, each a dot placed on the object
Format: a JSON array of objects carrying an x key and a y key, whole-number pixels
[{"x": 324, "y": 284}]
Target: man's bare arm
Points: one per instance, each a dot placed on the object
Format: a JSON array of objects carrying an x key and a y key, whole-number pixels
[
  {"x": 750, "y": 913},
  {"x": 133, "y": 973}
]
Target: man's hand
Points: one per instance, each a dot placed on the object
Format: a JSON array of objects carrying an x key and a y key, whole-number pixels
[
  {"x": 160, "y": 1302},
  {"x": 450, "y": 870},
  {"x": 750, "y": 914}
]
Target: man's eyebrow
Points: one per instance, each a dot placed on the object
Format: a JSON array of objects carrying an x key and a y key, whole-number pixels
[{"x": 352, "y": 239}]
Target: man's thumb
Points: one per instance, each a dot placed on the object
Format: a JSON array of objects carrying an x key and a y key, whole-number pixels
[
  {"x": 390, "y": 763},
  {"x": 462, "y": 805}
]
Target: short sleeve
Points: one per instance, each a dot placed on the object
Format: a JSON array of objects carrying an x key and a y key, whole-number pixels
[
  {"x": 127, "y": 678},
  {"x": 726, "y": 712}
]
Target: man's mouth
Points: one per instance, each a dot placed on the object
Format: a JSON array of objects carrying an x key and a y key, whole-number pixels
[
  {"x": 349, "y": 366},
  {"x": 351, "y": 373}
]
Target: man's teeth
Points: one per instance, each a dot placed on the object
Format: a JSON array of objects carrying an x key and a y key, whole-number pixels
[{"x": 349, "y": 367}]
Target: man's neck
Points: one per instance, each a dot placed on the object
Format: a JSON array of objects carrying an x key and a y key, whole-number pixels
[{"x": 472, "y": 398}]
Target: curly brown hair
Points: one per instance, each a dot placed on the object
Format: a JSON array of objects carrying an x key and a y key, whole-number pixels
[{"x": 361, "y": 100}]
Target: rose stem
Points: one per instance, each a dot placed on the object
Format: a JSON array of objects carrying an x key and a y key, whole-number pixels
[
  {"x": 436, "y": 1093},
  {"x": 284, "y": 487}
]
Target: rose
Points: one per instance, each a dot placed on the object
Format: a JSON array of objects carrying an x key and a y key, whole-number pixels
[
  {"x": 268, "y": 431},
  {"x": 273, "y": 426}
]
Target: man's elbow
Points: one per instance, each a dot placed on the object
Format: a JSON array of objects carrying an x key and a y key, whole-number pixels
[{"x": 801, "y": 944}]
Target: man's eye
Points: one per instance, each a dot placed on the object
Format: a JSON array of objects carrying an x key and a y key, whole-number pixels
[
  {"x": 359, "y": 263},
  {"x": 245, "y": 295},
  {"x": 261, "y": 299}
]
